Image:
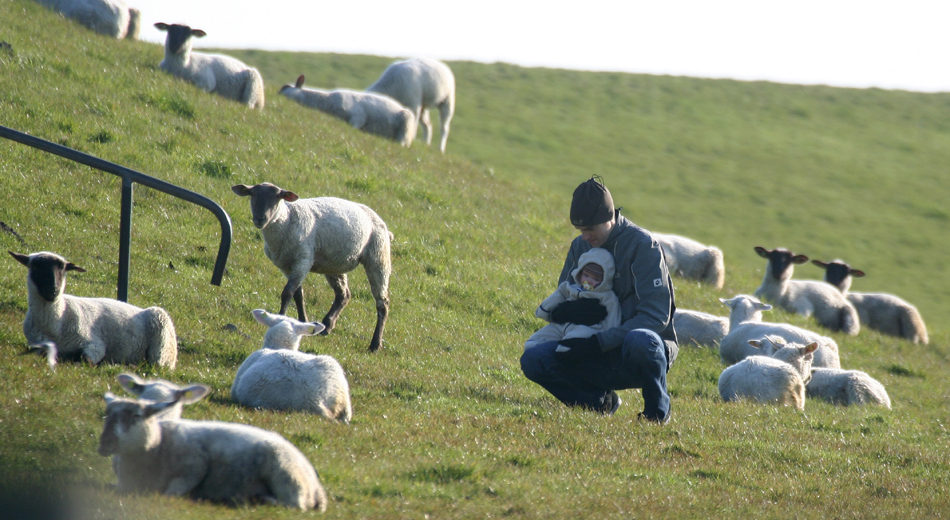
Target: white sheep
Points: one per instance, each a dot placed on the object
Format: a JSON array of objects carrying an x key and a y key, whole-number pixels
[
  {"x": 779, "y": 378},
  {"x": 690, "y": 259},
  {"x": 157, "y": 391},
  {"x": 879, "y": 311},
  {"x": 745, "y": 324},
  {"x": 217, "y": 73},
  {"x": 846, "y": 387},
  {"x": 699, "y": 328},
  {"x": 372, "y": 113},
  {"x": 419, "y": 84},
  {"x": 95, "y": 329},
  {"x": 323, "y": 235},
  {"x": 279, "y": 377},
  {"x": 808, "y": 297},
  {"x": 205, "y": 460},
  {"x": 109, "y": 17}
]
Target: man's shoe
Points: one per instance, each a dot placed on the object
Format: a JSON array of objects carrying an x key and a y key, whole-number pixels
[
  {"x": 642, "y": 417},
  {"x": 612, "y": 402}
]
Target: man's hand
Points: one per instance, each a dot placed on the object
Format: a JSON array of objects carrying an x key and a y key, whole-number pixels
[
  {"x": 582, "y": 311},
  {"x": 577, "y": 348}
]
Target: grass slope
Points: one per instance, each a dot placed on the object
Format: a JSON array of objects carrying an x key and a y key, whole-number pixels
[{"x": 444, "y": 423}]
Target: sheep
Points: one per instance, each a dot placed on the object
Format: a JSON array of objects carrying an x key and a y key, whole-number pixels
[
  {"x": 745, "y": 323},
  {"x": 699, "y": 328},
  {"x": 372, "y": 113},
  {"x": 109, "y": 17},
  {"x": 846, "y": 387},
  {"x": 323, "y": 235},
  {"x": 217, "y": 73},
  {"x": 778, "y": 379},
  {"x": 808, "y": 297},
  {"x": 879, "y": 311},
  {"x": 204, "y": 460},
  {"x": 279, "y": 377},
  {"x": 418, "y": 84},
  {"x": 690, "y": 259},
  {"x": 94, "y": 329},
  {"x": 156, "y": 391}
]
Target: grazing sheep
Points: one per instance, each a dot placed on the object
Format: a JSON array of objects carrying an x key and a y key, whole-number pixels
[
  {"x": 809, "y": 297},
  {"x": 323, "y": 235},
  {"x": 205, "y": 460},
  {"x": 109, "y": 17},
  {"x": 745, "y": 324},
  {"x": 885, "y": 313},
  {"x": 222, "y": 75},
  {"x": 419, "y": 84},
  {"x": 699, "y": 328},
  {"x": 846, "y": 387},
  {"x": 95, "y": 329},
  {"x": 777, "y": 379},
  {"x": 279, "y": 377},
  {"x": 690, "y": 259},
  {"x": 372, "y": 113}
]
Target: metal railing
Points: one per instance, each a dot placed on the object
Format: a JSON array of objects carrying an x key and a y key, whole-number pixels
[{"x": 125, "y": 225}]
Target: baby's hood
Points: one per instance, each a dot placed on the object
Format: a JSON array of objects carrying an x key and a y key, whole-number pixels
[{"x": 602, "y": 257}]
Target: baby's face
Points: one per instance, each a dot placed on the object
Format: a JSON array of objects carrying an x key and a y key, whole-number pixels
[{"x": 589, "y": 280}]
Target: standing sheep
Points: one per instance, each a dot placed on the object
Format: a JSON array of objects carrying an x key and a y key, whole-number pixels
[
  {"x": 690, "y": 259},
  {"x": 846, "y": 388},
  {"x": 95, "y": 329},
  {"x": 699, "y": 328},
  {"x": 372, "y": 113},
  {"x": 323, "y": 235},
  {"x": 777, "y": 379},
  {"x": 279, "y": 377},
  {"x": 809, "y": 297},
  {"x": 419, "y": 84},
  {"x": 885, "y": 313},
  {"x": 745, "y": 324},
  {"x": 109, "y": 17},
  {"x": 222, "y": 75},
  {"x": 205, "y": 460}
]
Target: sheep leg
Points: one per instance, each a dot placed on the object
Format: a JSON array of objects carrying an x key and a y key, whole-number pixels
[
  {"x": 294, "y": 291},
  {"x": 426, "y": 126},
  {"x": 341, "y": 292},
  {"x": 446, "y": 111},
  {"x": 378, "y": 275}
]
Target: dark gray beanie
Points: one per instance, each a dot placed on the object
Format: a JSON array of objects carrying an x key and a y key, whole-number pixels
[{"x": 592, "y": 204}]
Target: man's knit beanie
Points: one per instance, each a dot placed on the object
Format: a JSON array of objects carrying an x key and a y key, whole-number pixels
[{"x": 592, "y": 204}]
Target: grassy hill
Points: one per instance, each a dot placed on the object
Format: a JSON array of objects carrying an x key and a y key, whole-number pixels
[{"x": 444, "y": 423}]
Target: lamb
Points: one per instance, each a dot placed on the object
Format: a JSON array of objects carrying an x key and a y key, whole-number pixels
[
  {"x": 160, "y": 391},
  {"x": 95, "y": 329},
  {"x": 879, "y": 311},
  {"x": 846, "y": 387},
  {"x": 690, "y": 259},
  {"x": 222, "y": 75},
  {"x": 809, "y": 297},
  {"x": 109, "y": 17},
  {"x": 279, "y": 377},
  {"x": 205, "y": 460},
  {"x": 745, "y": 324},
  {"x": 778, "y": 379},
  {"x": 419, "y": 84},
  {"x": 699, "y": 328},
  {"x": 372, "y": 113},
  {"x": 323, "y": 235}
]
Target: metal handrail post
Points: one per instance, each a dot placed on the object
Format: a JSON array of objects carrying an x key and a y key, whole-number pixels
[{"x": 125, "y": 239}]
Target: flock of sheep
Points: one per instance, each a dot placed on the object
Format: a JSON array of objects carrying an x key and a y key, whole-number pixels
[{"x": 154, "y": 449}]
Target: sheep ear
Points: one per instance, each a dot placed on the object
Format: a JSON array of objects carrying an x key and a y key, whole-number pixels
[
  {"x": 73, "y": 267},
  {"x": 811, "y": 347},
  {"x": 161, "y": 26},
  {"x": 289, "y": 196},
  {"x": 755, "y": 343},
  {"x": 317, "y": 327},
  {"x": 241, "y": 189},
  {"x": 799, "y": 259},
  {"x": 23, "y": 259},
  {"x": 857, "y": 273},
  {"x": 763, "y": 252},
  {"x": 192, "y": 394},
  {"x": 725, "y": 301},
  {"x": 198, "y": 33},
  {"x": 299, "y": 83},
  {"x": 308, "y": 329},
  {"x": 109, "y": 397},
  {"x": 130, "y": 382},
  {"x": 759, "y": 306},
  {"x": 265, "y": 318},
  {"x": 820, "y": 264}
]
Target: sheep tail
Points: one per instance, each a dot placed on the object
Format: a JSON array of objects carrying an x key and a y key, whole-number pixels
[
  {"x": 715, "y": 273},
  {"x": 912, "y": 326},
  {"x": 253, "y": 95},
  {"x": 161, "y": 340}
]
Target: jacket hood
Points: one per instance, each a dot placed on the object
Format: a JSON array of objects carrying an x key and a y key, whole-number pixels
[{"x": 603, "y": 258}]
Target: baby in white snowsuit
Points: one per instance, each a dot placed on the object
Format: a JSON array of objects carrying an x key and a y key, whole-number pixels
[{"x": 593, "y": 278}]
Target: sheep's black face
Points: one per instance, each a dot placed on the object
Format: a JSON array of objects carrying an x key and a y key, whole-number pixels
[
  {"x": 782, "y": 261},
  {"x": 836, "y": 273},
  {"x": 48, "y": 274},
  {"x": 265, "y": 198},
  {"x": 178, "y": 36}
]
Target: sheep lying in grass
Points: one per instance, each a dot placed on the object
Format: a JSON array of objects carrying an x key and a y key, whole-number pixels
[
  {"x": 885, "y": 313},
  {"x": 745, "y": 324},
  {"x": 279, "y": 377},
  {"x": 779, "y": 378},
  {"x": 372, "y": 113},
  {"x": 222, "y": 75},
  {"x": 205, "y": 460},
  {"x": 809, "y": 297},
  {"x": 690, "y": 259},
  {"x": 699, "y": 328},
  {"x": 323, "y": 235},
  {"x": 109, "y": 17},
  {"x": 846, "y": 387},
  {"x": 419, "y": 84},
  {"x": 95, "y": 329}
]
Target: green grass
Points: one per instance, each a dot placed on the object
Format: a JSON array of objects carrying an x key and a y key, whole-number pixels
[{"x": 445, "y": 425}]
